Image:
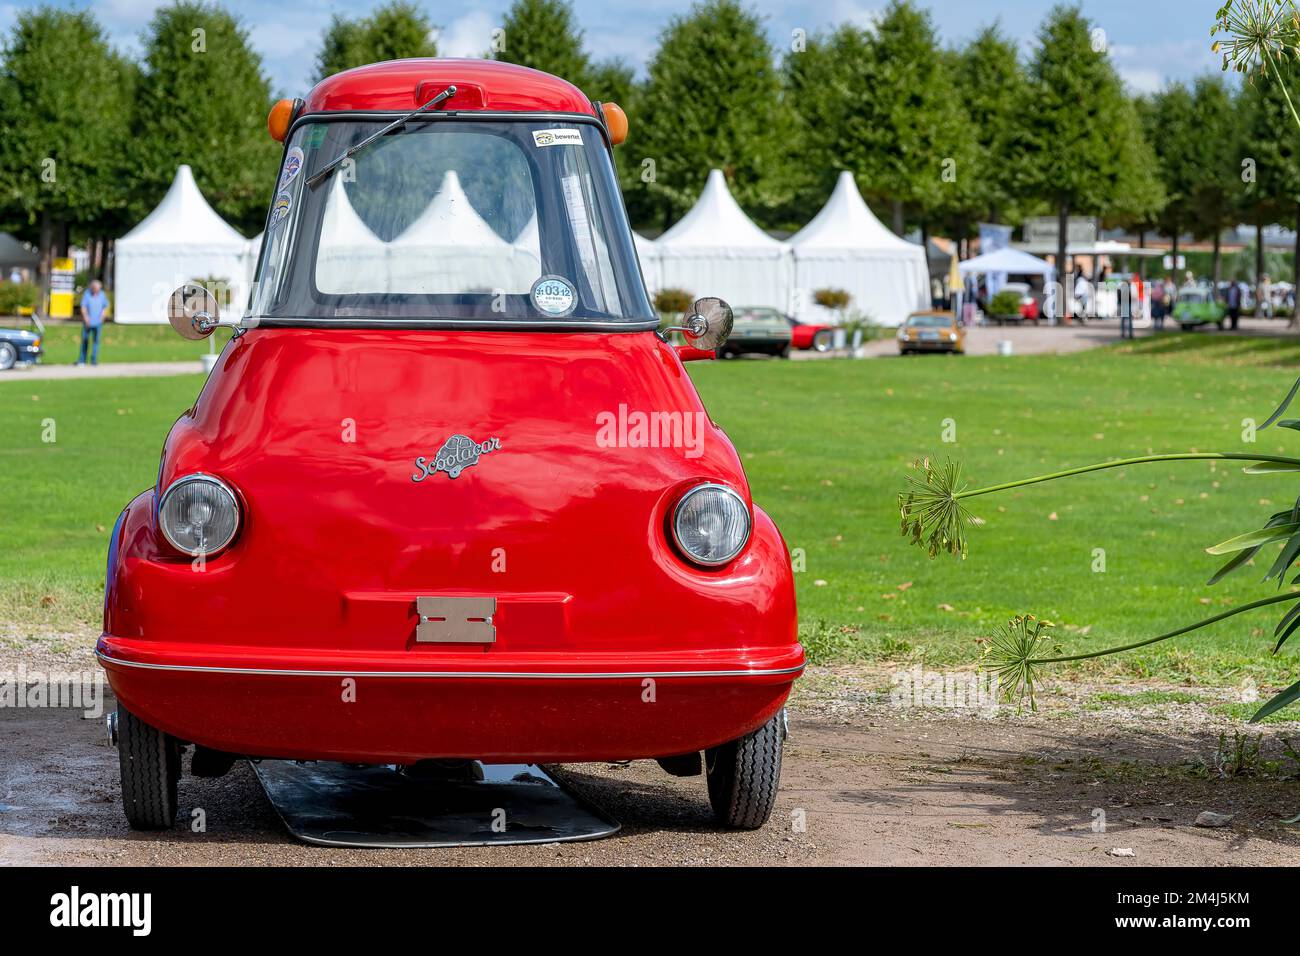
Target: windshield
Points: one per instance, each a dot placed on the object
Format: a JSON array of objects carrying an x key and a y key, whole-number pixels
[
  {"x": 929, "y": 321},
  {"x": 450, "y": 220}
]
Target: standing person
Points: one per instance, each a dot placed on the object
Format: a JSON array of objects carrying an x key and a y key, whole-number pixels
[
  {"x": 1234, "y": 304},
  {"x": 1125, "y": 306},
  {"x": 1264, "y": 301},
  {"x": 94, "y": 303},
  {"x": 1158, "y": 305}
]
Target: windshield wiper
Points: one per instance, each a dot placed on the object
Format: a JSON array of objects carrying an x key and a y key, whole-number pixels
[{"x": 322, "y": 173}]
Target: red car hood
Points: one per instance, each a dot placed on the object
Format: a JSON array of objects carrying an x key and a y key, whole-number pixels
[{"x": 319, "y": 433}]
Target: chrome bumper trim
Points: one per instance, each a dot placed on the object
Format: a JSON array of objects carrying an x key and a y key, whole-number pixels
[{"x": 480, "y": 675}]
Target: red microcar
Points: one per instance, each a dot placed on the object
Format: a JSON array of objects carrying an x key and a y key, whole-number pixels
[{"x": 448, "y": 494}]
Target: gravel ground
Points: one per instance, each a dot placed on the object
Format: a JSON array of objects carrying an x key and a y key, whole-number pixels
[{"x": 864, "y": 782}]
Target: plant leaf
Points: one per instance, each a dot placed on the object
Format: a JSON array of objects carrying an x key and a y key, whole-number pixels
[
  {"x": 1285, "y": 403},
  {"x": 1289, "y": 423},
  {"x": 1289, "y": 631},
  {"x": 1277, "y": 703},
  {"x": 1271, "y": 468},
  {"x": 1285, "y": 557},
  {"x": 1252, "y": 538},
  {"x": 1236, "y": 561}
]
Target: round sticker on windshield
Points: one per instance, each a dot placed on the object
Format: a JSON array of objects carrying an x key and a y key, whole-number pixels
[{"x": 554, "y": 296}]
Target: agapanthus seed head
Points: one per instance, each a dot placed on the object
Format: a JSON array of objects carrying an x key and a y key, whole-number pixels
[
  {"x": 1011, "y": 654},
  {"x": 932, "y": 513}
]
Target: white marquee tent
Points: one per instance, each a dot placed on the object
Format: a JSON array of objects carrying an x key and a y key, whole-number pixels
[
  {"x": 847, "y": 247},
  {"x": 1009, "y": 261},
  {"x": 715, "y": 249},
  {"x": 181, "y": 240},
  {"x": 450, "y": 248},
  {"x": 350, "y": 257},
  {"x": 647, "y": 250}
]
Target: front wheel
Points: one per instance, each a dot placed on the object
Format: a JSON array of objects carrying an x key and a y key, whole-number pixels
[
  {"x": 8, "y": 356},
  {"x": 743, "y": 776},
  {"x": 150, "y": 762}
]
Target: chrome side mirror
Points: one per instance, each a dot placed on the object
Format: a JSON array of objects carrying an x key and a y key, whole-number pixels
[
  {"x": 193, "y": 312},
  {"x": 707, "y": 324}
]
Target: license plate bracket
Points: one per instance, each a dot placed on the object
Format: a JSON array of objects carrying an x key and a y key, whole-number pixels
[{"x": 456, "y": 620}]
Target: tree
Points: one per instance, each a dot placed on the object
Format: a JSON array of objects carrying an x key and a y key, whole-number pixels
[
  {"x": 1069, "y": 158},
  {"x": 393, "y": 31},
  {"x": 917, "y": 147},
  {"x": 883, "y": 105},
  {"x": 64, "y": 99},
  {"x": 203, "y": 101},
  {"x": 1168, "y": 123},
  {"x": 993, "y": 90},
  {"x": 1217, "y": 191},
  {"x": 712, "y": 98},
  {"x": 1273, "y": 155},
  {"x": 1139, "y": 194},
  {"x": 542, "y": 34}
]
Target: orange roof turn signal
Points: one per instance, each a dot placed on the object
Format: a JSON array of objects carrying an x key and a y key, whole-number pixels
[
  {"x": 616, "y": 121},
  {"x": 277, "y": 121}
]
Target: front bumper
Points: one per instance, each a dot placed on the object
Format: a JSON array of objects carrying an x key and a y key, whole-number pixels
[
  {"x": 929, "y": 345},
  {"x": 390, "y": 708}
]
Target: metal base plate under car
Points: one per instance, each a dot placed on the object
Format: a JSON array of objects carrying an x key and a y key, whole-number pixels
[{"x": 335, "y": 804}]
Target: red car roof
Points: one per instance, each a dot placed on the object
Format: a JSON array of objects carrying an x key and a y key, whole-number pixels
[{"x": 480, "y": 85}]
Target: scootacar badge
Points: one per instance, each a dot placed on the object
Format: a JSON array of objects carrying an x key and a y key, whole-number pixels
[{"x": 554, "y": 296}]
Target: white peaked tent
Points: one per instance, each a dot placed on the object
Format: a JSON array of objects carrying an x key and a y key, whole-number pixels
[
  {"x": 351, "y": 258},
  {"x": 182, "y": 239},
  {"x": 647, "y": 250},
  {"x": 715, "y": 249},
  {"x": 254, "y": 251},
  {"x": 527, "y": 261},
  {"x": 847, "y": 247},
  {"x": 1008, "y": 260},
  {"x": 451, "y": 249}
]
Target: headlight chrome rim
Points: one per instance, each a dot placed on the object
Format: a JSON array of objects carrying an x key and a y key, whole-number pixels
[
  {"x": 213, "y": 549},
  {"x": 686, "y": 553}
]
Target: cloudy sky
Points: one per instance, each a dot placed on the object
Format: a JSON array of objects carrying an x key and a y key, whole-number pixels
[{"x": 1151, "y": 41}]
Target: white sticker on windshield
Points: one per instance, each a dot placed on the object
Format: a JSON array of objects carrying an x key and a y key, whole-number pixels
[
  {"x": 292, "y": 166},
  {"x": 554, "y": 296},
  {"x": 557, "y": 137}
]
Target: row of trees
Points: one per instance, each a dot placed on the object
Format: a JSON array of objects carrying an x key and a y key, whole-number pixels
[
  {"x": 938, "y": 138},
  {"x": 90, "y": 141}
]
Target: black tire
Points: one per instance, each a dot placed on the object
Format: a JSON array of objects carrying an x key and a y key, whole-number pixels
[
  {"x": 784, "y": 352},
  {"x": 8, "y": 356},
  {"x": 743, "y": 776},
  {"x": 150, "y": 761}
]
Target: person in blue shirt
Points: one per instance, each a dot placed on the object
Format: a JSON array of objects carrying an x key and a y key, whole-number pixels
[{"x": 94, "y": 303}]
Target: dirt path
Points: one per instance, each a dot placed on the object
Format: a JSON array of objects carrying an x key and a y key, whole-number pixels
[{"x": 870, "y": 784}]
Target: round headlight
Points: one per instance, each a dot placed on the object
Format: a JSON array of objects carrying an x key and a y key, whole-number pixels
[
  {"x": 711, "y": 524},
  {"x": 198, "y": 514}
]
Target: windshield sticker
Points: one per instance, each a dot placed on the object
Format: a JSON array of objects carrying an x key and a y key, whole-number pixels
[
  {"x": 557, "y": 137},
  {"x": 554, "y": 296},
  {"x": 283, "y": 203},
  {"x": 292, "y": 166}
]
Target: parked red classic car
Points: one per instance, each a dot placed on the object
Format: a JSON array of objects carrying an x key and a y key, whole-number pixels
[{"x": 447, "y": 493}]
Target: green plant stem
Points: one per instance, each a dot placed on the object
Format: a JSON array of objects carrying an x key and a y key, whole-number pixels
[
  {"x": 1275, "y": 599},
  {"x": 1120, "y": 463},
  {"x": 1280, "y": 80}
]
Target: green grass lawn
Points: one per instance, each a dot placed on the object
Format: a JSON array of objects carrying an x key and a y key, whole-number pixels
[
  {"x": 826, "y": 446},
  {"x": 123, "y": 343}
]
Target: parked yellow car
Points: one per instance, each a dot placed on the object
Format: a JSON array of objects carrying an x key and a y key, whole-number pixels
[{"x": 931, "y": 332}]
